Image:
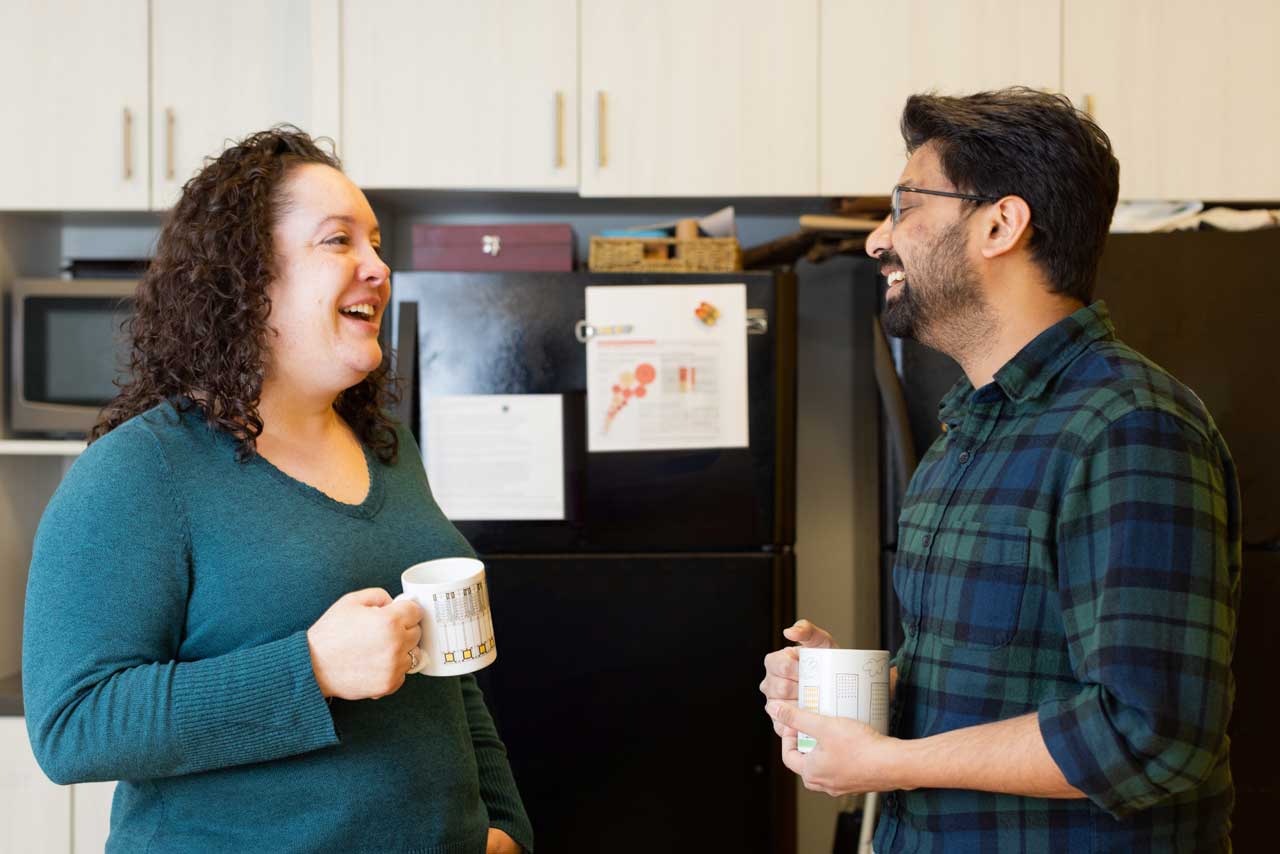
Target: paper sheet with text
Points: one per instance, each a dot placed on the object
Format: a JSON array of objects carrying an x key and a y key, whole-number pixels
[{"x": 496, "y": 456}]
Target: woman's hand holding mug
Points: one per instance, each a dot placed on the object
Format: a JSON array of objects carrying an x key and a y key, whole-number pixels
[{"x": 360, "y": 646}]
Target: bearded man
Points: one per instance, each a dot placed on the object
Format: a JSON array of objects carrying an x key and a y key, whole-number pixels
[{"x": 1069, "y": 548}]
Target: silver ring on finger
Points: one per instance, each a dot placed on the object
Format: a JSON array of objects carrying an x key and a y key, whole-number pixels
[{"x": 413, "y": 659}]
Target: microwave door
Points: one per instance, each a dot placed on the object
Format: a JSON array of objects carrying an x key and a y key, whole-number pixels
[{"x": 69, "y": 353}]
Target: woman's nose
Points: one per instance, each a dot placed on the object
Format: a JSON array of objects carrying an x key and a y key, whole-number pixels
[{"x": 374, "y": 268}]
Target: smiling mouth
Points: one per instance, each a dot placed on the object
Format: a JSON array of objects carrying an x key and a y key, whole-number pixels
[
  {"x": 360, "y": 311},
  {"x": 897, "y": 277}
]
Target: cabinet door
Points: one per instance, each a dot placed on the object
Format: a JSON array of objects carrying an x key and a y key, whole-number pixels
[
  {"x": 35, "y": 815},
  {"x": 875, "y": 54},
  {"x": 91, "y": 816},
  {"x": 1186, "y": 92},
  {"x": 75, "y": 104},
  {"x": 706, "y": 98},
  {"x": 474, "y": 95},
  {"x": 221, "y": 71}
]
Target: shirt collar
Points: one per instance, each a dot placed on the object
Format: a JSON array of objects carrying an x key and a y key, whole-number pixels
[{"x": 1029, "y": 372}]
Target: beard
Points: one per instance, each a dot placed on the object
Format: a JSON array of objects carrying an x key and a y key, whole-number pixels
[{"x": 945, "y": 309}]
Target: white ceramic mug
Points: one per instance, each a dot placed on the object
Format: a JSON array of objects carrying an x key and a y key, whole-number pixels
[
  {"x": 457, "y": 625},
  {"x": 844, "y": 683}
]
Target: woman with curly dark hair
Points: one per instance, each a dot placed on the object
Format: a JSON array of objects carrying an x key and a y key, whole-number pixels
[{"x": 207, "y": 611}]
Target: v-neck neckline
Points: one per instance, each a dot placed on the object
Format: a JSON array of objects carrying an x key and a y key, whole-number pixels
[{"x": 366, "y": 509}]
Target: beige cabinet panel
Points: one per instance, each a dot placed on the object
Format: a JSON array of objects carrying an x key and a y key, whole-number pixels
[
  {"x": 1186, "y": 91},
  {"x": 223, "y": 70},
  {"x": 474, "y": 95},
  {"x": 699, "y": 97},
  {"x": 35, "y": 815},
  {"x": 875, "y": 54},
  {"x": 74, "y": 134}
]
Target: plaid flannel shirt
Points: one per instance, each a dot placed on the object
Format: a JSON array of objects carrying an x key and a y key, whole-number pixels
[{"x": 1070, "y": 546}]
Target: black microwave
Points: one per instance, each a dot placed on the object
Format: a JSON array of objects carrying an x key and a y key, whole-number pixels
[{"x": 67, "y": 350}]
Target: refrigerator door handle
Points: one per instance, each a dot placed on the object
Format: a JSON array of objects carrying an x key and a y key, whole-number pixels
[
  {"x": 584, "y": 331},
  {"x": 406, "y": 364},
  {"x": 757, "y": 324}
]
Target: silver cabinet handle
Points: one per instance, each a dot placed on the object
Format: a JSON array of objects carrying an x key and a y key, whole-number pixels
[
  {"x": 168, "y": 143},
  {"x": 602, "y": 135},
  {"x": 128, "y": 144}
]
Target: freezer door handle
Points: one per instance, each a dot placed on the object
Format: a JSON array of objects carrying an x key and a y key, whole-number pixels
[
  {"x": 757, "y": 324},
  {"x": 406, "y": 363}
]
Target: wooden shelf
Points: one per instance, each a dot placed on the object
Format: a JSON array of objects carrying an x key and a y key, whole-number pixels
[
  {"x": 42, "y": 447},
  {"x": 821, "y": 222}
]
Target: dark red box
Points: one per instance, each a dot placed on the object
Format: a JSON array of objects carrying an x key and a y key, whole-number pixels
[{"x": 511, "y": 247}]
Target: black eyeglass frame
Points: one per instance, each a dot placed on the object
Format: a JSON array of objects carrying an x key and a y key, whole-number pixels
[{"x": 895, "y": 200}]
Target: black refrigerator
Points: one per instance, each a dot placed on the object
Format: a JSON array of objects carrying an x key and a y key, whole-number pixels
[
  {"x": 1203, "y": 305},
  {"x": 630, "y": 634}
]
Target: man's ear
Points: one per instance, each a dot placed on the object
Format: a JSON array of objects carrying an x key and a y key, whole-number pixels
[{"x": 1006, "y": 224}]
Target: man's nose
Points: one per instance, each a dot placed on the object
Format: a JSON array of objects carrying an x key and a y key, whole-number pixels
[{"x": 881, "y": 240}]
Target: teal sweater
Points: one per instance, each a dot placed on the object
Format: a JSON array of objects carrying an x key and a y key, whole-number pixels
[{"x": 164, "y": 646}]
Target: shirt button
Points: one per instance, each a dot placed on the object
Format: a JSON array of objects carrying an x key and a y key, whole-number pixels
[
  {"x": 964, "y": 457},
  {"x": 926, "y": 540}
]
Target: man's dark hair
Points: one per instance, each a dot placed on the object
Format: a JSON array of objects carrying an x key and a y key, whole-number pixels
[{"x": 1026, "y": 143}]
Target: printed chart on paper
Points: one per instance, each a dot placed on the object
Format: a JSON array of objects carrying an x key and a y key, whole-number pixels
[{"x": 667, "y": 367}]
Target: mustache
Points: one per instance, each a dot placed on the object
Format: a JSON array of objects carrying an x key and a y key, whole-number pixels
[{"x": 888, "y": 259}]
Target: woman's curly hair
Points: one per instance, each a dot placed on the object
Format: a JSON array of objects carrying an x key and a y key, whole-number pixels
[{"x": 199, "y": 329}]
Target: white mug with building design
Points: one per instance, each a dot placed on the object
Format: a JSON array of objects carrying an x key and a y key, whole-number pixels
[
  {"x": 844, "y": 683},
  {"x": 457, "y": 625}
]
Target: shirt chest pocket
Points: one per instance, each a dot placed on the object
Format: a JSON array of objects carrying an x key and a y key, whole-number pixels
[{"x": 974, "y": 582}]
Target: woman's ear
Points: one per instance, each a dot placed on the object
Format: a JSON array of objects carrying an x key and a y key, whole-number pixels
[{"x": 1006, "y": 222}]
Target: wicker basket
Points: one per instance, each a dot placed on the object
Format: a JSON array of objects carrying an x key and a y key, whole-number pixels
[{"x": 664, "y": 255}]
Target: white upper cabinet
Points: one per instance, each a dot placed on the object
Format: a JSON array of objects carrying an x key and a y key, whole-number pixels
[
  {"x": 74, "y": 133},
  {"x": 875, "y": 54},
  {"x": 481, "y": 94},
  {"x": 699, "y": 97},
  {"x": 1186, "y": 91},
  {"x": 222, "y": 70}
]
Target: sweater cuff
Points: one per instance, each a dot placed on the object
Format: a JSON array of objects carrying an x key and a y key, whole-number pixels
[
  {"x": 502, "y": 800},
  {"x": 252, "y": 705}
]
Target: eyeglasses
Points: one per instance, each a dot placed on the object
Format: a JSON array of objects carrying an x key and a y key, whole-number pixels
[{"x": 896, "y": 199}]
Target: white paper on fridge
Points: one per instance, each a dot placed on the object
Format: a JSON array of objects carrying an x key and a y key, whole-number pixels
[
  {"x": 496, "y": 456},
  {"x": 667, "y": 367}
]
